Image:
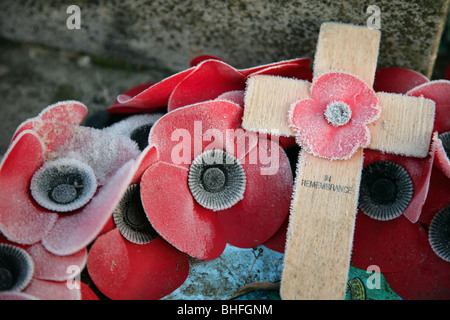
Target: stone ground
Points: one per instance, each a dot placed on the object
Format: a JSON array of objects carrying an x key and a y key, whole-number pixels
[{"x": 33, "y": 77}]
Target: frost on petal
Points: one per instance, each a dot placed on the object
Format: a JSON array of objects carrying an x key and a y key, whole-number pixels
[
  {"x": 300, "y": 62},
  {"x": 320, "y": 138},
  {"x": 439, "y": 92},
  {"x": 73, "y": 232},
  {"x": 126, "y": 126},
  {"x": 135, "y": 127},
  {"x": 22, "y": 220},
  {"x": 52, "y": 267},
  {"x": 176, "y": 216},
  {"x": 397, "y": 80},
  {"x": 126, "y": 271},
  {"x": 105, "y": 153},
  {"x": 289, "y": 70},
  {"x": 182, "y": 134},
  {"x": 52, "y": 290},
  {"x": 335, "y": 86},
  {"x": 62, "y": 113},
  {"x": 442, "y": 159},
  {"x": 266, "y": 200},
  {"x": 210, "y": 79},
  {"x": 10, "y": 295},
  {"x": 63, "y": 185},
  {"x": 199, "y": 59},
  {"x": 236, "y": 97},
  {"x": 352, "y": 91},
  {"x": 144, "y": 98},
  {"x": 147, "y": 158},
  {"x": 419, "y": 169}
]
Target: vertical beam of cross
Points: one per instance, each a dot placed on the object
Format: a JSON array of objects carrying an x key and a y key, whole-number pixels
[{"x": 324, "y": 205}]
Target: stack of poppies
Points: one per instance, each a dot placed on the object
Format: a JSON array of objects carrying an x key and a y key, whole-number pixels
[{"x": 129, "y": 204}]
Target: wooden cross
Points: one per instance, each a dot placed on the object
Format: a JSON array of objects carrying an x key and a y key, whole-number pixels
[{"x": 321, "y": 222}]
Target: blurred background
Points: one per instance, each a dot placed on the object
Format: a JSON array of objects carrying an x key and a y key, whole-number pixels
[{"x": 91, "y": 51}]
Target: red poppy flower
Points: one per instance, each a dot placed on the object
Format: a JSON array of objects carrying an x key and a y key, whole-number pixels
[
  {"x": 400, "y": 248},
  {"x": 215, "y": 186},
  {"x": 60, "y": 182},
  {"x": 207, "y": 79},
  {"x": 397, "y": 80},
  {"x": 439, "y": 92},
  {"x": 31, "y": 272},
  {"x": 132, "y": 261},
  {"x": 332, "y": 124}
]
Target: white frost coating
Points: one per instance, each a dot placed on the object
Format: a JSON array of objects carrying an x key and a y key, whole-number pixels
[
  {"x": 126, "y": 126},
  {"x": 104, "y": 152},
  {"x": 55, "y": 173}
]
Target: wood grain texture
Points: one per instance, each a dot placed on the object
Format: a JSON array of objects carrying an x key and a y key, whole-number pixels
[
  {"x": 267, "y": 103},
  {"x": 321, "y": 228},
  {"x": 405, "y": 125},
  {"x": 348, "y": 48}
]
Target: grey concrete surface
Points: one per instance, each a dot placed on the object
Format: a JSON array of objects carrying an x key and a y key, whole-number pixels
[
  {"x": 33, "y": 77},
  {"x": 242, "y": 32}
]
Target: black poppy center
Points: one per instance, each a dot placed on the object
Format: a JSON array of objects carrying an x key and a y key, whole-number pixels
[
  {"x": 16, "y": 268},
  {"x": 214, "y": 179},
  {"x": 63, "y": 185},
  {"x": 64, "y": 193},
  {"x": 6, "y": 279},
  {"x": 140, "y": 135},
  {"x": 439, "y": 234},
  {"x": 135, "y": 215},
  {"x": 445, "y": 138},
  {"x": 130, "y": 218},
  {"x": 384, "y": 191}
]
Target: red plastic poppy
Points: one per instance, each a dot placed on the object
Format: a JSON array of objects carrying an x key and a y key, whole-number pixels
[
  {"x": 44, "y": 139},
  {"x": 439, "y": 92},
  {"x": 167, "y": 198},
  {"x": 397, "y": 80},
  {"x": 51, "y": 274},
  {"x": 207, "y": 79},
  {"x": 402, "y": 250},
  {"x": 333, "y": 123},
  {"x": 123, "y": 270},
  {"x": 399, "y": 248}
]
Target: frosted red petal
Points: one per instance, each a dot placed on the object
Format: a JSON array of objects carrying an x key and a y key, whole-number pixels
[
  {"x": 48, "y": 266},
  {"x": 52, "y": 290},
  {"x": 180, "y": 135},
  {"x": 73, "y": 232},
  {"x": 267, "y": 198},
  {"x": 176, "y": 216},
  {"x": 22, "y": 220},
  {"x": 126, "y": 271}
]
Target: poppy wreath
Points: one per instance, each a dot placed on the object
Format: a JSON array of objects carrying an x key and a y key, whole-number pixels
[
  {"x": 64, "y": 183},
  {"x": 178, "y": 177}
]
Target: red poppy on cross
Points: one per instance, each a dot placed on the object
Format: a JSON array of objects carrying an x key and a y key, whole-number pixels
[{"x": 333, "y": 119}]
